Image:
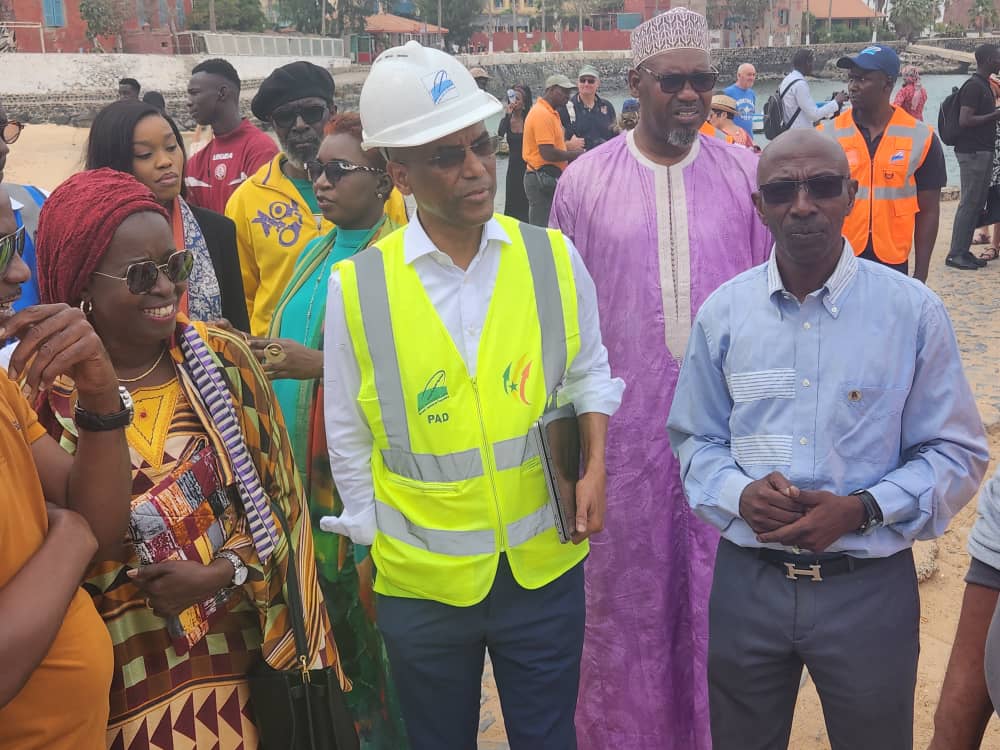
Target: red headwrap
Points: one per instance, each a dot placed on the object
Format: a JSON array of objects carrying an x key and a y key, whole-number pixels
[{"x": 76, "y": 225}]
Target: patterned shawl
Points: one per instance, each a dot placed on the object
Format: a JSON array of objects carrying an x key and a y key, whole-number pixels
[
  {"x": 204, "y": 296},
  {"x": 269, "y": 453}
]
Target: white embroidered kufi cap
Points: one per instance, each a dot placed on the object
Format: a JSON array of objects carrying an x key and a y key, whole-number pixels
[{"x": 677, "y": 28}]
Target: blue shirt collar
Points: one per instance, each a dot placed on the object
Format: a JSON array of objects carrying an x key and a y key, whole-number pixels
[{"x": 832, "y": 291}]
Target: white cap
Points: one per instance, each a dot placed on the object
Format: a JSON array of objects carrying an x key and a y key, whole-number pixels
[{"x": 415, "y": 95}]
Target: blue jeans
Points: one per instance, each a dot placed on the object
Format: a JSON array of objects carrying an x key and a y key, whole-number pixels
[{"x": 535, "y": 641}]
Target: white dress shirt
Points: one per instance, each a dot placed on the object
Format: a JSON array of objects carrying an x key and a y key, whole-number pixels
[
  {"x": 461, "y": 299},
  {"x": 799, "y": 97}
]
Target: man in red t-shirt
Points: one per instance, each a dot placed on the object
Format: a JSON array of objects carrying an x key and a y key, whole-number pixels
[{"x": 238, "y": 149}]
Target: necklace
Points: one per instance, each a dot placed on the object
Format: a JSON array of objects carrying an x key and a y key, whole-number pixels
[{"x": 140, "y": 377}]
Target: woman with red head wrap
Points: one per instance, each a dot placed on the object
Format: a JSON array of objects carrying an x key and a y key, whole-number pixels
[{"x": 196, "y": 597}]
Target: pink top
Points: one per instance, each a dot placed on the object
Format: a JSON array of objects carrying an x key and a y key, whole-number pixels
[{"x": 912, "y": 98}]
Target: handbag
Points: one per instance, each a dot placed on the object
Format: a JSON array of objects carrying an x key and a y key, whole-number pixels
[
  {"x": 991, "y": 213},
  {"x": 299, "y": 708}
]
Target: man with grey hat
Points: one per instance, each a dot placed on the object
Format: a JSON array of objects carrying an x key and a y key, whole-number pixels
[
  {"x": 546, "y": 150},
  {"x": 586, "y": 114}
]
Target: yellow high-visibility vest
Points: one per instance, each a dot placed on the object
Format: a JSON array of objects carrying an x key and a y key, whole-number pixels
[{"x": 457, "y": 477}]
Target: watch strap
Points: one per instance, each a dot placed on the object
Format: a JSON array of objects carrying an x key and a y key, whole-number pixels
[
  {"x": 91, "y": 422},
  {"x": 873, "y": 513}
]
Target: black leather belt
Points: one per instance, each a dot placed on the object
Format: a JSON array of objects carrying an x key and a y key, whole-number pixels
[{"x": 813, "y": 567}]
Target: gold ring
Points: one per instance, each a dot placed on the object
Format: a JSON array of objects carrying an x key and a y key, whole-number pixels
[
  {"x": 274, "y": 354},
  {"x": 148, "y": 605}
]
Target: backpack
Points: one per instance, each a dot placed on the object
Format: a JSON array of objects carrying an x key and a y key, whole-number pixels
[
  {"x": 948, "y": 127},
  {"x": 774, "y": 113}
]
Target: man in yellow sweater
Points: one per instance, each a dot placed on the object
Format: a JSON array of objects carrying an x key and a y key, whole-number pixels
[{"x": 275, "y": 211}]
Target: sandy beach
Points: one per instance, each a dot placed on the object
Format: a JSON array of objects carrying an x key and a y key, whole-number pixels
[{"x": 47, "y": 154}]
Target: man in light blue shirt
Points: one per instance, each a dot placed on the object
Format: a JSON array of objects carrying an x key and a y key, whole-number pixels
[
  {"x": 823, "y": 422},
  {"x": 746, "y": 100}
]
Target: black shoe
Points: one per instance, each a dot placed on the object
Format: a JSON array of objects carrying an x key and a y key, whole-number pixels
[{"x": 965, "y": 261}]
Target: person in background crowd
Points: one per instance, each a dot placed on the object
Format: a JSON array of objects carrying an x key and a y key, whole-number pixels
[
  {"x": 629, "y": 117},
  {"x": 128, "y": 88},
  {"x": 819, "y": 478},
  {"x": 512, "y": 128},
  {"x": 743, "y": 94},
  {"x": 60, "y": 513},
  {"x": 798, "y": 105},
  {"x": 351, "y": 187},
  {"x": 644, "y": 211},
  {"x": 982, "y": 235},
  {"x": 156, "y": 99},
  {"x": 276, "y": 211},
  {"x": 912, "y": 96},
  {"x": 136, "y": 138},
  {"x": 586, "y": 114},
  {"x": 467, "y": 555},
  {"x": 898, "y": 163},
  {"x": 722, "y": 118},
  {"x": 26, "y": 202},
  {"x": 974, "y": 151},
  {"x": 482, "y": 77},
  {"x": 237, "y": 149},
  {"x": 546, "y": 150},
  {"x": 195, "y": 598}
]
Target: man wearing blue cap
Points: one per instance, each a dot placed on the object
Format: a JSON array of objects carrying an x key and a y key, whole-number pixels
[{"x": 898, "y": 163}]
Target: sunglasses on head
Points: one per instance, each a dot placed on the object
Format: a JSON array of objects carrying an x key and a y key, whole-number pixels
[
  {"x": 10, "y": 130},
  {"x": 336, "y": 170},
  {"x": 822, "y": 187},
  {"x": 310, "y": 114},
  {"x": 9, "y": 245},
  {"x": 449, "y": 157},
  {"x": 140, "y": 278},
  {"x": 671, "y": 83}
]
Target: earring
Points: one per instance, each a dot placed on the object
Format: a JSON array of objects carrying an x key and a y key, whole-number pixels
[
  {"x": 380, "y": 196},
  {"x": 86, "y": 306}
]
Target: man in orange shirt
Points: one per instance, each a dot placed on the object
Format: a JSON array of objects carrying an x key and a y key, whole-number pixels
[
  {"x": 58, "y": 514},
  {"x": 546, "y": 151}
]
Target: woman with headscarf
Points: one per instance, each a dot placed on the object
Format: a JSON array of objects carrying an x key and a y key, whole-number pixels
[
  {"x": 912, "y": 96},
  {"x": 351, "y": 187},
  {"x": 512, "y": 127},
  {"x": 137, "y": 138},
  {"x": 195, "y": 600}
]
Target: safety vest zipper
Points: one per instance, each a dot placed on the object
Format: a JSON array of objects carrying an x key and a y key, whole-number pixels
[
  {"x": 490, "y": 465},
  {"x": 871, "y": 196}
]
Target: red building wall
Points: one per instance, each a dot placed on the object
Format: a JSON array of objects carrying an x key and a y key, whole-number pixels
[
  {"x": 503, "y": 41},
  {"x": 72, "y": 37}
]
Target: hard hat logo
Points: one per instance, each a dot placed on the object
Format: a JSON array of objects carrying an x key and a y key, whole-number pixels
[{"x": 440, "y": 87}]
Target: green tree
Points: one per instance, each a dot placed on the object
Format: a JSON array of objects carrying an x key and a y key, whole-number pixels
[
  {"x": 456, "y": 15},
  {"x": 983, "y": 14},
  {"x": 104, "y": 18},
  {"x": 230, "y": 15},
  {"x": 910, "y": 17},
  {"x": 350, "y": 15},
  {"x": 751, "y": 15}
]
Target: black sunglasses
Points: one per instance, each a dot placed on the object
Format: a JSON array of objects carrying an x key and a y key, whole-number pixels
[
  {"x": 337, "y": 169},
  {"x": 9, "y": 245},
  {"x": 11, "y": 130},
  {"x": 449, "y": 157},
  {"x": 821, "y": 187},
  {"x": 671, "y": 83},
  {"x": 587, "y": 79},
  {"x": 141, "y": 277},
  {"x": 310, "y": 114}
]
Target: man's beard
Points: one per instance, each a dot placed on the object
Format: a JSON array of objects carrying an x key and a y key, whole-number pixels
[
  {"x": 682, "y": 137},
  {"x": 297, "y": 152}
]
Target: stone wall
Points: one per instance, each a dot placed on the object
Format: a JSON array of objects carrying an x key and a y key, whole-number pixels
[{"x": 963, "y": 44}]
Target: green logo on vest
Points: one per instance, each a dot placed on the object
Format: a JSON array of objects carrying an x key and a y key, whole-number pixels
[{"x": 433, "y": 393}]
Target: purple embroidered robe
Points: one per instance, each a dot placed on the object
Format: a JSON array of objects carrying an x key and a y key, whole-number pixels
[{"x": 657, "y": 241}]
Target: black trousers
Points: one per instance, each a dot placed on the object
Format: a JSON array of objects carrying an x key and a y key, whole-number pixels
[
  {"x": 535, "y": 641},
  {"x": 858, "y": 633}
]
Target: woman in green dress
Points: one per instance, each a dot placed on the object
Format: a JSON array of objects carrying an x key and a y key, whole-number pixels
[{"x": 351, "y": 188}]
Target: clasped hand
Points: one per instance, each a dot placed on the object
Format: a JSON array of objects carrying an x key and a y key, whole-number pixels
[
  {"x": 171, "y": 587},
  {"x": 781, "y": 513}
]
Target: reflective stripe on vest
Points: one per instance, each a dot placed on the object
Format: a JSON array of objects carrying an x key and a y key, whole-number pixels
[
  {"x": 883, "y": 212},
  {"x": 713, "y": 132},
  {"x": 454, "y": 467}
]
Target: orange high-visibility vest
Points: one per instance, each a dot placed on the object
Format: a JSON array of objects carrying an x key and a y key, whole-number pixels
[
  {"x": 713, "y": 132},
  {"x": 886, "y": 204}
]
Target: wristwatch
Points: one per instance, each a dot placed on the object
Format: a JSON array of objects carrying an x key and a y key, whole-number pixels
[
  {"x": 239, "y": 569},
  {"x": 87, "y": 420},
  {"x": 873, "y": 513}
]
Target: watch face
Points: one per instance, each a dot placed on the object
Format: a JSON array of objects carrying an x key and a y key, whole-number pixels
[{"x": 240, "y": 577}]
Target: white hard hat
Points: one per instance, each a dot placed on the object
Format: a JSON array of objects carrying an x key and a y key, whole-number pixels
[{"x": 415, "y": 95}]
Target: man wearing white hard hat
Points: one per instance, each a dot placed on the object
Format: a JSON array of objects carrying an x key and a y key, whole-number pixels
[{"x": 445, "y": 343}]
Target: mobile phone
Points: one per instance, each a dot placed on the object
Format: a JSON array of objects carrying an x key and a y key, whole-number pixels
[{"x": 511, "y": 96}]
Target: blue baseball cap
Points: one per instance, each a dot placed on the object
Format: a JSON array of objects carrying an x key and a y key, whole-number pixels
[
  {"x": 875, "y": 57},
  {"x": 630, "y": 105}
]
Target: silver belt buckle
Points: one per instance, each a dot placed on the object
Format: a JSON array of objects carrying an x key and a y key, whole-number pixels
[{"x": 793, "y": 572}]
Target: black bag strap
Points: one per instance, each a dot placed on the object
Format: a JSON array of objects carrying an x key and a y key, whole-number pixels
[
  {"x": 293, "y": 591},
  {"x": 781, "y": 102}
]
